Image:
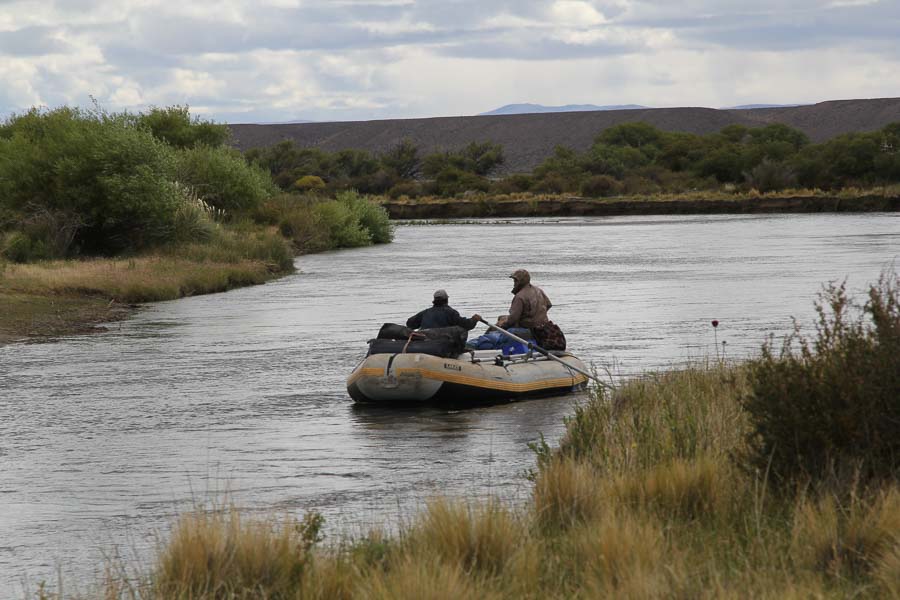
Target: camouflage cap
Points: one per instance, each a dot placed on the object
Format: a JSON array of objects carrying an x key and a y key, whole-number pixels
[{"x": 521, "y": 275}]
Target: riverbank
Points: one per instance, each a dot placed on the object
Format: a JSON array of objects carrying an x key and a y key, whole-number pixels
[
  {"x": 52, "y": 298},
  {"x": 59, "y": 298},
  {"x": 642, "y": 499},
  {"x": 35, "y": 317},
  {"x": 706, "y": 202},
  {"x": 48, "y": 299},
  {"x": 718, "y": 480}
]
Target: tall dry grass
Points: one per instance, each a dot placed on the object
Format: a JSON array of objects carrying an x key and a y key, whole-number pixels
[
  {"x": 231, "y": 259},
  {"x": 642, "y": 499}
]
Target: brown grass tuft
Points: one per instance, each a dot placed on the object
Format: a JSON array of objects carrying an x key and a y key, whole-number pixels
[
  {"x": 621, "y": 556},
  {"x": 848, "y": 539},
  {"x": 424, "y": 578},
  {"x": 887, "y": 571},
  {"x": 481, "y": 538},
  {"x": 679, "y": 489},
  {"x": 659, "y": 418},
  {"x": 222, "y": 554},
  {"x": 566, "y": 492}
]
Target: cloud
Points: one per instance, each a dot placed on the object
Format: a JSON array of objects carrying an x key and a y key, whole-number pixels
[
  {"x": 323, "y": 59},
  {"x": 32, "y": 41},
  {"x": 768, "y": 25}
]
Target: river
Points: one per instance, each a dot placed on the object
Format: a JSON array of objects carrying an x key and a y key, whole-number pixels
[{"x": 104, "y": 439}]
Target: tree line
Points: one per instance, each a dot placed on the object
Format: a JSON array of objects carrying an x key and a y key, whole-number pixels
[{"x": 632, "y": 158}]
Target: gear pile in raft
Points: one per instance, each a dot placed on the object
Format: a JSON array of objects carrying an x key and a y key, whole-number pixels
[{"x": 430, "y": 359}]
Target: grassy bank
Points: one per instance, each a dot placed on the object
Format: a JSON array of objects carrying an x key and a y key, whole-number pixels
[
  {"x": 722, "y": 201},
  {"x": 777, "y": 478},
  {"x": 641, "y": 500},
  {"x": 35, "y": 316},
  {"x": 99, "y": 211},
  {"x": 51, "y": 298}
]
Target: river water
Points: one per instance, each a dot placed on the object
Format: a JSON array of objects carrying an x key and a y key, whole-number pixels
[{"x": 105, "y": 438}]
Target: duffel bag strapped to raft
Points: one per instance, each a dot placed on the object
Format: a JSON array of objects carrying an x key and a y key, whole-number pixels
[
  {"x": 432, "y": 347},
  {"x": 392, "y": 331},
  {"x": 440, "y": 341},
  {"x": 549, "y": 336}
]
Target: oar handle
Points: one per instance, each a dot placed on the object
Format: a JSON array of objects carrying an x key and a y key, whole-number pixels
[{"x": 545, "y": 353}]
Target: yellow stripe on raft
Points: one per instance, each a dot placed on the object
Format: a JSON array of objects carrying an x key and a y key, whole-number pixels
[
  {"x": 368, "y": 371},
  {"x": 506, "y": 386}
]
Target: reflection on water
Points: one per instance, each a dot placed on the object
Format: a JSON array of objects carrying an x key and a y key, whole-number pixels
[{"x": 104, "y": 438}]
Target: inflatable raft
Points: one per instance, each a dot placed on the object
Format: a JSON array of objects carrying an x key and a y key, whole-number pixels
[{"x": 473, "y": 377}]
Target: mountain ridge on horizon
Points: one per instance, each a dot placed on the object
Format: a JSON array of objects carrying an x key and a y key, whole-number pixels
[
  {"x": 526, "y": 108},
  {"x": 523, "y": 108},
  {"x": 528, "y": 139}
]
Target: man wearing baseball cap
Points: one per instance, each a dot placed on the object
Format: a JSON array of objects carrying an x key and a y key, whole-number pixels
[{"x": 441, "y": 315}]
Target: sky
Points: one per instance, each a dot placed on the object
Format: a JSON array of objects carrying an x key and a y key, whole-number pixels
[{"x": 253, "y": 61}]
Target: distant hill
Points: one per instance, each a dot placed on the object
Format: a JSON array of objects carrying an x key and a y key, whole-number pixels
[
  {"x": 296, "y": 122},
  {"x": 746, "y": 106},
  {"x": 528, "y": 139},
  {"x": 522, "y": 109}
]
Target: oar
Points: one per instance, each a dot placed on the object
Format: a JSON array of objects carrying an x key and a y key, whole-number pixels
[{"x": 545, "y": 353}]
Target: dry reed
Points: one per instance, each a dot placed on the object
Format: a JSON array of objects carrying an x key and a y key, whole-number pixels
[{"x": 642, "y": 500}]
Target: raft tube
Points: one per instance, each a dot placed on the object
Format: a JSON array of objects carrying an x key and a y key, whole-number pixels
[{"x": 479, "y": 376}]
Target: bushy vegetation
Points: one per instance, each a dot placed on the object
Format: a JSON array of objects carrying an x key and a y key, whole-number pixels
[
  {"x": 643, "y": 159},
  {"x": 222, "y": 178},
  {"x": 175, "y": 126},
  {"x": 395, "y": 172},
  {"x": 647, "y": 496},
  {"x": 86, "y": 182},
  {"x": 100, "y": 209},
  {"x": 80, "y": 183},
  {"x": 628, "y": 159},
  {"x": 292, "y": 168},
  {"x": 74, "y": 181},
  {"x": 313, "y": 223},
  {"x": 830, "y": 407}
]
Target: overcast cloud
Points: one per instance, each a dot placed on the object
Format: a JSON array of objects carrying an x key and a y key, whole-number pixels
[{"x": 281, "y": 60}]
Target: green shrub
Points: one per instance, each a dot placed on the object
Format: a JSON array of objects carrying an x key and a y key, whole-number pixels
[
  {"x": 475, "y": 159},
  {"x": 299, "y": 222},
  {"x": 194, "y": 220},
  {"x": 599, "y": 186},
  {"x": 833, "y": 405},
  {"x": 410, "y": 189},
  {"x": 309, "y": 183},
  {"x": 553, "y": 183},
  {"x": 42, "y": 234},
  {"x": 271, "y": 210},
  {"x": 112, "y": 180},
  {"x": 378, "y": 182},
  {"x": 341, "y": 223},
  {"x": 304, "y": 228},
  {"x": 769, "y": 176},
  {"x": 403, "y": 159},
  {"x": 373, "y": 217},
  {"x": 17, "y": 247},
  {"x": 513, "y": 184},
  {"x": 240, "y": 241},
  {"x": 223, "y": 179},
  {"x": 451, "y": 181},
  {"x": 635, "y": 184},
  {"x": 175, "y": 126}
]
